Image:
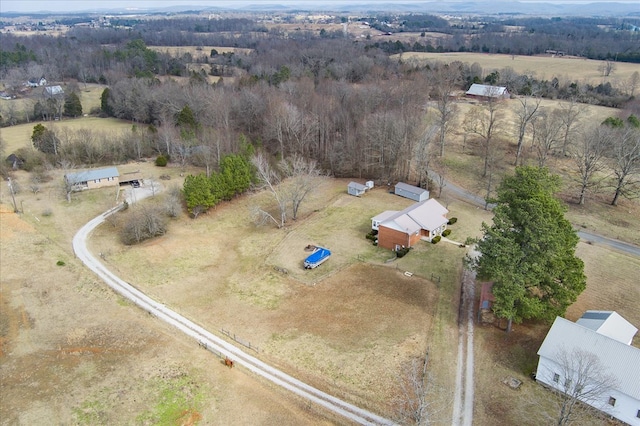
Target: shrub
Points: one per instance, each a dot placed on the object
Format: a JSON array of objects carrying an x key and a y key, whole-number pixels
[
  {"x": 402, "y": 252},
  {"x": 161, "y": 161},
  {"x": 446, "y": 232},
  {"x": 371, "y": 236},
  {"x": 60, "y": 263},
  {"x": 142, "y": 224},
  {"x": 436, "y": 239},
  {"x": 452, "y": 221},
  {"x": 47, "y": 212}
]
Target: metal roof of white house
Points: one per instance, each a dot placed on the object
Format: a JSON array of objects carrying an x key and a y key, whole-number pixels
[
  {"x": 618, "y": 359},
  {"x": 609, "y": 323},
  {"x": 92, "y": 174},
  {"x": 428, "y": 214},
  {"x": 486, "y": 90}
]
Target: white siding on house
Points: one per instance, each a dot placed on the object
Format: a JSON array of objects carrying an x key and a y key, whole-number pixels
[{"x": 617, "y": 359}]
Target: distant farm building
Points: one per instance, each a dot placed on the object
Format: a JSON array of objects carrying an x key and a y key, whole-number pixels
[
  {"x": 358, "y": 189},
  {"x": 485, "y": 92},
  {"x": 411, "y": 192},
  {"x": 94, "y": 178},
  {"x": 53, "y": 91},
  {"x": 35, "y": 82},
  {"x": 400, "y": 229},
  {"x": 598, "y": 335}
]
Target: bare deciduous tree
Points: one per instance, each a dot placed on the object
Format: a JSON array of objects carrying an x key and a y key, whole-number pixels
[
  {"x": 581, "y": 379},
  {"x": 569, "y": 113},
  {"x": 412, "y": 405},
  {"x": 607, "y": 67},
  {"x": 446, "y": 79},
  {"x": 526, "y": 111},
  {"x": 270, "y": 181},
  {"x": 302, "y": 176},
  {"x": 626, "y": 164},
  {"x": 634, "y": 81},
  {"x": 143, "y": 223},
  {"x": 588, "y": 155},
  {"x": 484, "y": 121},
  {"x": 293, "y": 180},
  {"x": 547, "y": 135}
]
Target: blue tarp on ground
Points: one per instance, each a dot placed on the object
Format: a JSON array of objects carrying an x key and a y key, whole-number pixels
[{"x": 317, "y": 257}]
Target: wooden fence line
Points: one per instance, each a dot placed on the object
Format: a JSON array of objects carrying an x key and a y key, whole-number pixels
[{"x": 243, "y": 342}]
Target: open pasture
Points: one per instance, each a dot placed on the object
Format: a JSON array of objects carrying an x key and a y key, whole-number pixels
[
  {"x": 542, "y": 67},
  {"x": 19, "y": 136}
]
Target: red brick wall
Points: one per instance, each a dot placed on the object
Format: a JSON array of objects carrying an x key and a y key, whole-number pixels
[{"x": 388, "y": 238}]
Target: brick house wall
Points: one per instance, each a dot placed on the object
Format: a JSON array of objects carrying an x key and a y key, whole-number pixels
[{"x": 390, "y": 238}]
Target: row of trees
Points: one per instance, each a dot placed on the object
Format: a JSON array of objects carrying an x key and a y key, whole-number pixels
[{"x": 203, "y": 191}]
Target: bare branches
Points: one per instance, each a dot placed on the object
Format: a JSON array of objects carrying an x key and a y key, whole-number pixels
[
  {"x": 581, "y": 379},
  {"x": 291, "y": 182}
]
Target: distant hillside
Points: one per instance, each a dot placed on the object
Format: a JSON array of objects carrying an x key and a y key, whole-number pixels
[{"x": 503, "y": 7}]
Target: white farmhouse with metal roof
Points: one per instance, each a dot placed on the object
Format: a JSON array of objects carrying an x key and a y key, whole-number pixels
[{"x": 605, "y": 335}]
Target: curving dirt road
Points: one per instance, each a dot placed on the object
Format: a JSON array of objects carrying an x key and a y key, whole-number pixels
[{"x": 207, "y": 339}]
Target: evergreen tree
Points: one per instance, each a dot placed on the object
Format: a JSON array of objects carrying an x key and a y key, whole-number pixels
[
  {"x": 72, "y": 105},
  {"x": 105, "y": 105},
  {"x": 44, "y": 140},
  {"x": 198, "y": 194},
  {"x": 529, "y": 251}
]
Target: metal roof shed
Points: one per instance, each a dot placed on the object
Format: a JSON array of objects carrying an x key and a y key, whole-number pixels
[
  {"x": 411, "y": 192},
  {"x": 357, "y": 189}
]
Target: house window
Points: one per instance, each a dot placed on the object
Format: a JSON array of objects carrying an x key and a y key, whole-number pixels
[
  {"x": 556, "y": 377},
  {"x": 638, "y": 414},
  {"x": 612, "y": 401},
  {"x": 96, "y": 181}
]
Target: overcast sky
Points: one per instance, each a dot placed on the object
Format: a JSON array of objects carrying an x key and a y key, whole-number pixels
[{"x": 84, "y": 5}]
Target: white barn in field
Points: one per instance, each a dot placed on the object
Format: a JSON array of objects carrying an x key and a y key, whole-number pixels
[{"x": 607, "y": 336}]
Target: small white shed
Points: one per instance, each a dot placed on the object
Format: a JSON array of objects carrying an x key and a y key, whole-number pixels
[
  {"x": 357, "y": 189},
  {"x": 412, "y": 192}
]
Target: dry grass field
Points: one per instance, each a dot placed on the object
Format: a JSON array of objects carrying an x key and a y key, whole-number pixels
[
  {"x": 348, "y": 327},
  {"x": 16, "y": 137},
  {"x": 89, "y": 97},
  {"x": 542, "y": 67}
]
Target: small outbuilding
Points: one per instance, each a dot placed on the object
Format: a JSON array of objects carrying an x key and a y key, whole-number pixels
[
  {"x": 356, "y": 189},
  {"x": 411, "y": 192},
  {"x": 94, "y": 178}
]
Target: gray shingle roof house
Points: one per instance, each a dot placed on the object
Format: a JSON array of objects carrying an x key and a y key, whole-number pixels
[
  {"x": 94, "y": 178},
  {"x": 483, "y": 91},
  {"x": 606, "y": 335},
  {"x": 412, "y": 192}
]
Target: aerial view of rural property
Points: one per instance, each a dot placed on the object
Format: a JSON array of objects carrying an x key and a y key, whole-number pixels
[{"x": 349, "y": 212}]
